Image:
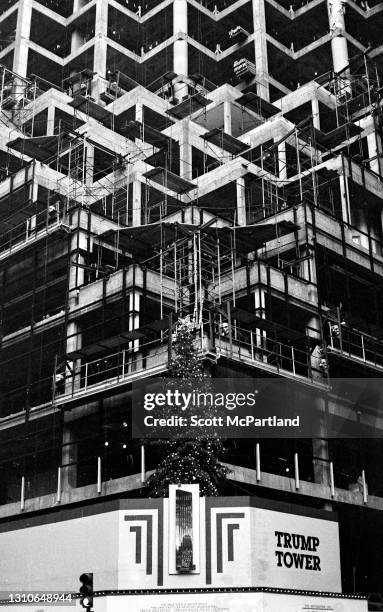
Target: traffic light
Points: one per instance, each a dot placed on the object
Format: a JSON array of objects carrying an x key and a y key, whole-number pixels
[{"x": 86, "y": 591}]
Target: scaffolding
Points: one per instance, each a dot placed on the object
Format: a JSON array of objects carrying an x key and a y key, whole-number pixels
[
  {"x": 102, "y": 251},
  {"x": 195, "y": 268}
]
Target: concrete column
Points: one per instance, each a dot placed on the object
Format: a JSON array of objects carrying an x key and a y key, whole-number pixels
[
  {"x": 69, "y": 456},
  {"x": 345, "y": 201},
  {"x": 134, "y": 307},
  {"x": 76, "y": 273},
  {"x": 241, "y": 201},
  {"x": 139, "y": 116},
  {"x": 307, "y": 267},
  {"x": 363, "y": 224},
  {"x": 374, "y": 144},
  {"x": 100, "y": 45},
  {"x": 282, "y": 162},
  {"x": 23, "y": 25},
  {"x": 73, "y": 332},
  {"x": 260, "y": 44},
  {"x": 73, "y": 343},
  {"x": 89, "y": 164},
  {"x": 227, "y": 117},
  {"x": 339, "y": 52},
  {"x": 76, "y": 41},
  {"x": 321, "y": 467},
  {"x": 186, "y": 163},
  {"x": 50, "y": 120},
  {"x": 315, "y": 113},
  {"x": 180, "y": 47},
  {"x": 139, "y": 112},
  {"x": 260, "y": 311},
  {"x": 313, "y": 333},
  {"x": 336, "y": 10},
  {"x": 34, "y": 191},
  {"x": 375, "y": 235},
  {"x": 320, "y": 444},
  {"x": 31, "y": 222},
  {"x": 78, "y": 4},
  {"x": 134, "y": 323},
  {"x": 136, "y": 203},
  {"x": 321, "y": 461}
]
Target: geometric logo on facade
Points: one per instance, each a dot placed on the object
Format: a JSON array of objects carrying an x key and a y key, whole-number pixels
[
  {"x": 137, "y": 529},
  {"x": 231, "y": 527}
]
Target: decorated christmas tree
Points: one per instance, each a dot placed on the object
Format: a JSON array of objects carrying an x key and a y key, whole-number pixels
[{"x": 195, "y": 460}]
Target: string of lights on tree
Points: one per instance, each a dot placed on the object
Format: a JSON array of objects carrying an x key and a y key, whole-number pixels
[{"x": 188, "y": 461}]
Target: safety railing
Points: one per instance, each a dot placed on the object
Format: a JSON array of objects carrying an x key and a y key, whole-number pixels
[
  {"x": 104, "y": 470},
  {"x": 30, "y": 228},
  {"x": 256, "y": 347},
  {"x": 241, "y": 344},
  {"x": 111, "y": 369},
  {"x": 356, "y": 345},
  {"x": 76, "y": 377}
]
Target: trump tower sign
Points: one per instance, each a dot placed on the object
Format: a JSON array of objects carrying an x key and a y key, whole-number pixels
[{"x": 184, "y": 541}]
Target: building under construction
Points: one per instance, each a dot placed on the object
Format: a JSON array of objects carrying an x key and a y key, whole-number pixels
[{"x": 214, "y": 160}]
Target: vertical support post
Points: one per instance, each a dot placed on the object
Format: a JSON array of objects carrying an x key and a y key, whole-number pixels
[
  {"x": 260, "y": 311},
  {"x": 339, "y": 50},
  {"x": 260, "y": 44},
  {"x": 136, "y": 203},
  {"x": 99, "y": 475},
  {"x": 88, "y": 162},
  {"x": 180, "y": 46},
  {"x": 298, "y": 165},
  {"x": 293, "y": 359},
  {"x": 241, "y": 201},
  {"x": 134, "y": 321},
  {"x": 51, "y": 120},
  {"x": 20, "y": 57},
  {"x": 78, "y": 245},
  {"x": 86, "y": 376},
  {"x": 296, "y": 470},
  {"x": 186, "y": 160},
  {"x": 69, "y": 456},
  {"x": 332, "y": 483},
  {"x": 170, "y": 331},
  {"x": 123, "y": 362},
  {"x": 22, "y": 494},
  {"x": 340, "y": 329},
  {"x": 258, "y": 461},
  {"x": 363, "y": 349},
  {"x": 100, "y": 45},
  {"x": 227, "y": 117},
  {"x": 315, "y": 113},
  {"x": 282, "y": 161},
  {"x": 344, "y": 194},
  {"x": 374, "y": 144},
  {"x": 58, "y": 496},
  {"x": 143, "y": 469},
  {"x": 313, "y": 334},
  {"x": 230, "y": 327},
  {"x": 76, "y": 41},
  {"x": 365, "y": 492}
]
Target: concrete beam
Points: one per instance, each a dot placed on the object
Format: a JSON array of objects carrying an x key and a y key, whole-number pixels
[{"x": 47, "y": 12}]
